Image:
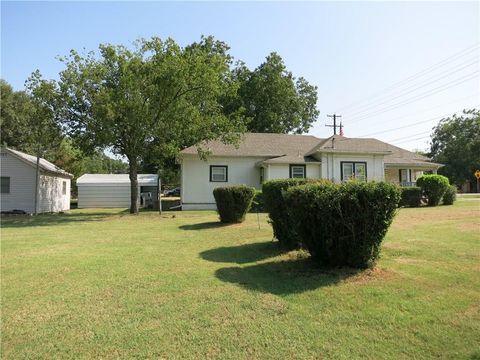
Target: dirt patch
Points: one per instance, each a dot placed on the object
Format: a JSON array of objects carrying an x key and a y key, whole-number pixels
[
  {"x": 368, "y": 275},
  {"x": 408, "y": 218},
  {"x": 407, "y": 260},
  {"x": 469, "y": 227}
]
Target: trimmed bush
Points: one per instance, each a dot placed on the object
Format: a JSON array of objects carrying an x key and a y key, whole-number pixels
[
  {"x": 343, "y": 225},
  {"x": 411, "y": 196},
  {"x": 434, "y": 186},
  {"x": 450, "y": 195},
  {"x": 258, "y": 203},
  {"x": 274, "y": 204},
  {"x": 233, "y": 202}
]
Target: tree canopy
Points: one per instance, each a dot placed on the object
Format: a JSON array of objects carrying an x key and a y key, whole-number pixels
[
  {"x": 157, "y": 95},
  {"x": 273, "y": 100},
  {"x": 456, "y": 143}
]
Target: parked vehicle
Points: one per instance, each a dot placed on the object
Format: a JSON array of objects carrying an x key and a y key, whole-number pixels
[{"x": 172, "y": 192}]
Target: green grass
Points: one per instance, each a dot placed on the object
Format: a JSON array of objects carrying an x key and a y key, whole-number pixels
[{"x": 105, "y": 284}]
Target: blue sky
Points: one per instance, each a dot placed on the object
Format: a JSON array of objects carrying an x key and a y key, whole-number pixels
[{"x": 355, "y": 52}]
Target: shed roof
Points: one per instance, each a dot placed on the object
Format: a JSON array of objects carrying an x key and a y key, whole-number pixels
[
  {"x": 43, "y": 164},
  {"x": 106, "y": 179}
]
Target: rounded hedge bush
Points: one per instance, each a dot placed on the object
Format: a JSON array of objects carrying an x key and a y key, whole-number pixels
[
  {"x": 450, "y": 195},
  {"x": 343, "y": 224},
  {"x": 411, "y": 196},
  {"x": 434, "y": 186},
  {"x": 233, "y": 202},
  {"x": 274, "y": 204}
]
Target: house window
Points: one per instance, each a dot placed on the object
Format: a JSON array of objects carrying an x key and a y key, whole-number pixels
[
  {"x": 298, "y": 171},
  {"x": 354, "y": 170},
  {"x": 218, "y": 173},
  {"x": 5, "y": 185},
  {"x": 64, "y": 188},
  {"x": 262, "y": 174}
]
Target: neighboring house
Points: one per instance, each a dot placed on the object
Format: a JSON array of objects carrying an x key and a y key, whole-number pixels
[
  {"x": 113, "y": 190},
  {"x": 17, "y": 182},
  {"x": 261, "y": 157}
]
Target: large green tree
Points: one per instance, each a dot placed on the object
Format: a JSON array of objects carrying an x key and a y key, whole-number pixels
[
  {"x": 273, "y": 99},
  {"x": 156, "y": 94},
  {"x": 456, "y": 143}
]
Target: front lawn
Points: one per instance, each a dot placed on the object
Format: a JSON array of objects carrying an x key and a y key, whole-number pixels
[{"x": 105, "y": 284}]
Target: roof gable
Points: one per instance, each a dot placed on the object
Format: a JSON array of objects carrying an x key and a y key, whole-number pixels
[{"x": 44, "y": 165}]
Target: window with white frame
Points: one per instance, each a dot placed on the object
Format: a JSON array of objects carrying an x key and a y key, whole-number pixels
[
  {"x": 218, "y": 173},
  {"x": 297, "y": 171},
  {"x": 354, "y": 170},
  {"x": 5, "y": 185}
]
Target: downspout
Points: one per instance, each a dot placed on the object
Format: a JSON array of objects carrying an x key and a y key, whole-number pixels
[{"x": 37, "y": 182}]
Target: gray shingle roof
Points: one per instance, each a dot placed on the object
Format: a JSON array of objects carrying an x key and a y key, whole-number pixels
[
  {"x": 43, "y": 164},
  {"x": 287, "y": 148}
]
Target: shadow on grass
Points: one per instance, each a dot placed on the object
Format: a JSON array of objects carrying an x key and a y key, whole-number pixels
[
  {"x": 284, "y": 277},
  {"x": 243, "y": 254},
  {"x": 204, "y": 225},
  {"x": 19, "y": 221}
]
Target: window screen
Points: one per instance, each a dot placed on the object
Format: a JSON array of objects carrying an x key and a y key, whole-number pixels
[
  {"x": 218, "y": 173},
  {"x": 5, "y": 185},
  {"x": 354, "y": 170},
  {"x": 297, "y": 171},
  {"x": 64, "y": 188}
]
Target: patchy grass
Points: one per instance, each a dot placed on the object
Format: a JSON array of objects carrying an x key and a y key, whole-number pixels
[{"x": 105, "y": 284}]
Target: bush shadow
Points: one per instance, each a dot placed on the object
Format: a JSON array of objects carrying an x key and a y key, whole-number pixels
[
  {"x": 284, "y": 277},
  {"x": 204, "y": 225},
  {"x": 242, "y": 254}
]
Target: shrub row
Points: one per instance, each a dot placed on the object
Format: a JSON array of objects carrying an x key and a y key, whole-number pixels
[
  {"x": 434, "y": 187},
  {"x": 233, "y": 202},
  {"x": 411, "y": 196},
  {"x": 274, "y": 203},
  {"x": 342, "y": 224},
  {"x": 450, "y": 195}
]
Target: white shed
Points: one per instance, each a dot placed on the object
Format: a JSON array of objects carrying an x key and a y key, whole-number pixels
[
  {"x": 18, "y": 178},
  {"x": 113, "y": 190}
]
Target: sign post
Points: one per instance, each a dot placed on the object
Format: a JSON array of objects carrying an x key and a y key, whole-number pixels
[{"x": 477, "y": 175}]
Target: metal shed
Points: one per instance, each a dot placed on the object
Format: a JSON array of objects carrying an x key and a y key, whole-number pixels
[{"x": 113, "y": 190}]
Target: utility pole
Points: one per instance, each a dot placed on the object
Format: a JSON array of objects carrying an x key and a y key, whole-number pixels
[{"x": 334, "y": 116}]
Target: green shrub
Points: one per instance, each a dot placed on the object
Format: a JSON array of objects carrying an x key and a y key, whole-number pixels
[
  {"x": 411, "y": 196},
  {"x": 434, "y": 186},
  {"x": 450, "y": 195},
  {"x": 257, "y": 203},
  {"x": 233, "y": 202},
  {"x": 277, "y": 210},
  {"x": 343, "y": 225}
]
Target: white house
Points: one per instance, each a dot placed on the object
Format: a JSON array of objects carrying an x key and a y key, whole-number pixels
[
  {"x": 17, "y": 182},
  {"x": 113, "y": 190},
  {"x": 261, "y": 157}
]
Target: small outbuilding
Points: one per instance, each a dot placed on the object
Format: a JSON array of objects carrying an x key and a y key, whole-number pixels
[
  {"x": 113, "y": 190},
  {"x": 18, "y": 184}
]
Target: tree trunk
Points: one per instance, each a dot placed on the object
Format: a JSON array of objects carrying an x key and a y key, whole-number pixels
[{"x": 133, "y": 187}]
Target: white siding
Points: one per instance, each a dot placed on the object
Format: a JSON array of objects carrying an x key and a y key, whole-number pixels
[
  {"x": 103, "y": 196},
  {"x": 331, "y": 166},
  {"x": 22, "y": 184},
  {"x": 197, "y": 190},
  {"x": 51, "y": 197},
  {"x": 22, "y": 188}
]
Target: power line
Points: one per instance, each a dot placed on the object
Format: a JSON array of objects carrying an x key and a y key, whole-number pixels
[
  {"x": 432, "y": 108},
  {"x": 417, "y": 122},
  {"x": 415, "y": 87},
  {"x": 420, "y": 73},
  {"x": 335, "y": 116},
  {"x": 421, "y": 96}
]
